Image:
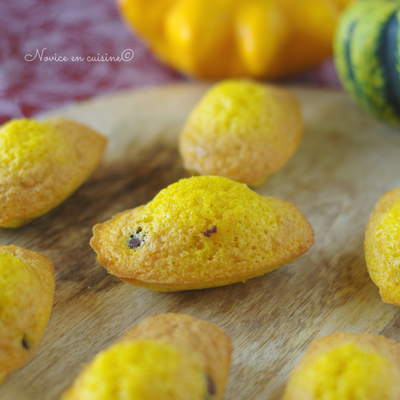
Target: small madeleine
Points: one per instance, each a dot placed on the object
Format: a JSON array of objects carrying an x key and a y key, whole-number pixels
[
  {"x": 41, "y": 164},
  {"x": 201, "y": 232},
  {"x": 167, "y": 356},
  {"x": 347, "y": 366},
  {"x": 26, "y": 298},
  {"x": 242, "y": 130},
  {"x": 382, "y": 246}
]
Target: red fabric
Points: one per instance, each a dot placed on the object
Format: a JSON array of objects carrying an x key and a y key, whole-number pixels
[{"x": 84, "y": 28}]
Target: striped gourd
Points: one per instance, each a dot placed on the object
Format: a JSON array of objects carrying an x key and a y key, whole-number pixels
[{"x": 367, "y": 56}]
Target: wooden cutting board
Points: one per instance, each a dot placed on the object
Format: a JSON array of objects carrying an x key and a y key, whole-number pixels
[{"x": 346, "y": 161}]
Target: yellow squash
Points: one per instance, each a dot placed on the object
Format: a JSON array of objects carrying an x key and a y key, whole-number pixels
[{"x": 235, "y": 38}]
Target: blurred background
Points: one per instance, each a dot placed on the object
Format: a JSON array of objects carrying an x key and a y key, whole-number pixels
[{"x": 92, "y": 28}]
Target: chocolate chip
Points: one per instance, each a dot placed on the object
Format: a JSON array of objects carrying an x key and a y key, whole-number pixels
[
  {"x": 136, "y": 239},
  {"x": 134, "y": 243},
  {"x": 26, "y": 344},
  {"x": 208, "y": 232},
  {"x": 212, "y": 390}
]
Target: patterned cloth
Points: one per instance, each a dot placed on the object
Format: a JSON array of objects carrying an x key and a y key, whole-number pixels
[{"x": 34, "y": 29}]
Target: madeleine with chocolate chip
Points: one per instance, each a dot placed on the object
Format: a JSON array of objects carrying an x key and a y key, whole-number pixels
[
  {"x": 43, "y": 163},
  {"x": 242, "y": 130},
  {"x": 26, "y": 298},
  {"x": 201, "y": 232},
  {"x": 166, "y": 356}
]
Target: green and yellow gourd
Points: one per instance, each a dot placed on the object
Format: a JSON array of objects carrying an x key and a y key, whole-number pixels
[{"x": 367, "y": 56}]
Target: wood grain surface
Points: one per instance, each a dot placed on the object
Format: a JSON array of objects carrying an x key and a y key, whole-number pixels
[{"x": 346, "y": 161}]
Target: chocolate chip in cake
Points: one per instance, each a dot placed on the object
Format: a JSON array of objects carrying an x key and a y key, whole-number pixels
[
  {"x": 134, "y": 242},
  {"x": 26, "y": 344},
  {"x": 212, "y": 390},
  {"x": 136, "y": 239},
  {"x": 208, "y": 232}
]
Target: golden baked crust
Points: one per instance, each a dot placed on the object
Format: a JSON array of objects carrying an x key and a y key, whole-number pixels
[
  {"x": 347, "y": 366},
  {"x": 34, "y": 180},
  {"x": 382, "y": 246},
  {"x": 242, "y": 130},
  {"x": 201, "y": 232},
  {"x": 26, "y": 296},
  {"x": 200, "y": 341}
]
